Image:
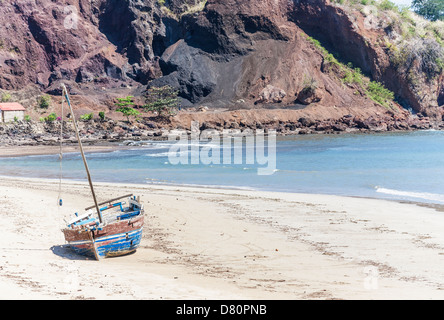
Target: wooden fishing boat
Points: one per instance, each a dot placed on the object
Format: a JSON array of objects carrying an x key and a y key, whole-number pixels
[
  {"x": 112, "y": 230},
  {"x": 119, "y": 233}
]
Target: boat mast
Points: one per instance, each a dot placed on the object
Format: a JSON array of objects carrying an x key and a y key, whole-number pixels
[{"x": 65, "y": 92}]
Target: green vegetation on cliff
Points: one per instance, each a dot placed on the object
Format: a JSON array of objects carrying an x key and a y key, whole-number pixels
[
  {"x": 412, "y": 41},
  {"x": 189, "y": 7},
  {"x": 353, "y": 76}
]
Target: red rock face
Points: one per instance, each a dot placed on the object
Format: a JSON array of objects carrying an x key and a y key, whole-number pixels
[
  {"x": 225, "y": 55},
  {"x": 234, "y": 50},
  {"x": 45, "y": 41}
]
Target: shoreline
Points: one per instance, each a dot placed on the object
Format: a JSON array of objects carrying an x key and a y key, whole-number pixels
[
  {"x": 204, "y": 243},
  {"x": 25, "y": 151},
  {"x": 104, "y": 132},
  {"x": 105, "y": 144},
  {"x": 437, "y": 206}
]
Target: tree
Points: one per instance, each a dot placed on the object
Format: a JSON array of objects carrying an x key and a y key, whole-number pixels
[
  {"x": 128, "y": 112},
  {"x": 125, "y": 107},
  {"x": 430, "y": 9},
  {"x": 125, "y": 102},
  {"x": 163, "y": 100}
]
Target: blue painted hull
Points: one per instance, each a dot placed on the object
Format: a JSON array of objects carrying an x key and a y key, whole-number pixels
[
  {"x": 119, "y": 244},
  {"x": 115, "y": 239},
  {"x": 110, "y": 246}
]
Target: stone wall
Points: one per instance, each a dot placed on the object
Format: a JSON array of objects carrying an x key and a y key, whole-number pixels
[{"x": 8, "y": 116}]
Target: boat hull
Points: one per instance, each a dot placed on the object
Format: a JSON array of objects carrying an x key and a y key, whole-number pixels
[{"x": 117, "y": 239}]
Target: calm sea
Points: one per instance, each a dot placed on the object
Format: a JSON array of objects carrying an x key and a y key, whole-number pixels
[{"x": 401, "y": 166}]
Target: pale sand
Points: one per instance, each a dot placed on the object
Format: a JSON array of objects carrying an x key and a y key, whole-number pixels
[
  {"x": 17, "y": 151},
  {"x": 204, "y": 243}
]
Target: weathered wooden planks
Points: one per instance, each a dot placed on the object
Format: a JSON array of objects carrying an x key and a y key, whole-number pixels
[{"x": 117, "y": 238}]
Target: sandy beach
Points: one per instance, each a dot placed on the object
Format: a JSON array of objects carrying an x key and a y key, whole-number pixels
[
  {"x": 19, "y": 151},
  {"x": 204, "y": 243}
]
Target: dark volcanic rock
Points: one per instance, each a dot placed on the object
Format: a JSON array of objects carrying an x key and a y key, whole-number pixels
[
  {"x": 186, "y": 68},
  {"x": 306, "y": 122},
  {"x": 441, "y": 93}
]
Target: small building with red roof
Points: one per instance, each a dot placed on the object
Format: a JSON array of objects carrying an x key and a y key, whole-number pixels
[{"x": 11, "y": 111}]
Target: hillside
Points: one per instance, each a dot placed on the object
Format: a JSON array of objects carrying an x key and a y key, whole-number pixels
[{"x": 349, "y": 64}]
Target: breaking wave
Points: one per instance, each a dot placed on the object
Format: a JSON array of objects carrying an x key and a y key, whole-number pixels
[{"x": 409, "y": 194}]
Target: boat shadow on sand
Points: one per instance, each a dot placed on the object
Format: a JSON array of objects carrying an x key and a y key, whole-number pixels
[{"x": 66, "y": 252}]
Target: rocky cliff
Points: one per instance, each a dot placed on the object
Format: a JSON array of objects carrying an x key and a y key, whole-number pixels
[{"x": 285, "y": 59}]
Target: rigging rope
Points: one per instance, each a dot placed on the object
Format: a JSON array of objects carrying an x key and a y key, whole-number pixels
[{"x": 59, "y": 200}]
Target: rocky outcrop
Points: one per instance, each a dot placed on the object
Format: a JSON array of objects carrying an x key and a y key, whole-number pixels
[
  {"x": 271, "y": 94},
  {"x": 97, "y": 132},
  {"x": 308, "y": 96},
  {"x": 362, "y": 38},
  {"x": 230, "y": 54},
  {"x": 233, "y": 52}
]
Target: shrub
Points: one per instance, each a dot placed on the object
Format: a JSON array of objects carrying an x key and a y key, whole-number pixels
[
  {"x": 353, "y": 76},
  {"x": 378, "y": 93},
  {"x": 27, "y": 118},
  {"x": 102, "y": 115},
  {"x": 329, "y": 58},
  {"x": 309, "y": 85},
  {"x": 387, "y": 5},
  {"x": 6, "y": 97},
  {"x": 45, "y": 101},
  {"x": 51, "y": 118},
  {"x": 87, "y": 117}
]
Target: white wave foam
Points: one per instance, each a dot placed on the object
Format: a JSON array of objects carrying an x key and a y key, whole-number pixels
[
  {"x": 169, "y": 144},
  {"x": 418, "y": 195},
  {"x": 99, "y": 154},
  {"x": 167, "y": 154},
  {"x": 178, "y": 184},
  {"x": 180, "y": 149}
]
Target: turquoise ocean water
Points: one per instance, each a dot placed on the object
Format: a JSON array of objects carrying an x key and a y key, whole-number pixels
[{"x": 399, "y": 166}]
